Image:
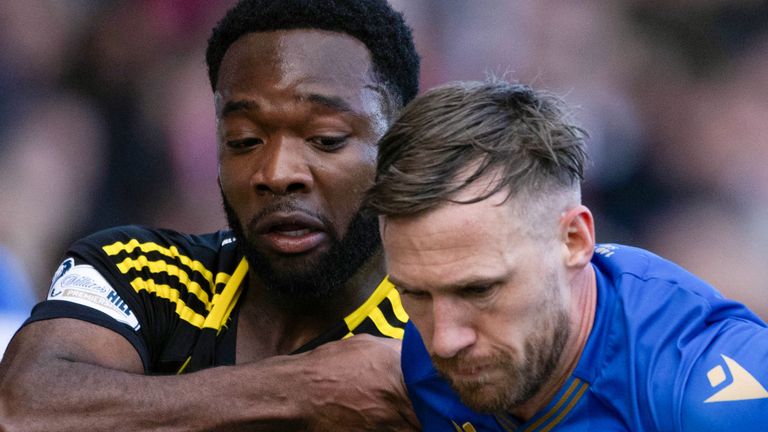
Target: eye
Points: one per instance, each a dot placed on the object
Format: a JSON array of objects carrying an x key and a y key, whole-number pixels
[
  {"x": 243, "y": 144},
  {"x": 477, "y": 290},
  {"x": 413, "y": 294},
  {"x": 329, "y": 143}
]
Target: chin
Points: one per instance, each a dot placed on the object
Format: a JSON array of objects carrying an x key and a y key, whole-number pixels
[{"x": 483, "y": 397}]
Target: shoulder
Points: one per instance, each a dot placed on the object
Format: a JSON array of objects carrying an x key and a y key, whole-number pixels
[
  {"x": 132, "y": 237},
  {"x": 137, "y": 260},
  {"x": 617, "y": 261},
  {"x": 726, "y": 388},
  {"x": 645, "y": 283},
  {"x": 672, "y": 326},
  {"x": 115, "y": 248}
]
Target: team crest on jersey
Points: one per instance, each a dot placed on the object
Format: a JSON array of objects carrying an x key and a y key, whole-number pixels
[
  {"x": 61, "y": 271},
  {"x": 84, "y": 285}
]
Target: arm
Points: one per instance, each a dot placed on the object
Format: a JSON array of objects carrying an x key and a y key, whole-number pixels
[{"x": 65, "y": 374}]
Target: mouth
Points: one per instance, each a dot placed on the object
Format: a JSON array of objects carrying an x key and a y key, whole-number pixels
[
  {"x": 465, "y": 370},
  {"x": 290, "y": 233}
]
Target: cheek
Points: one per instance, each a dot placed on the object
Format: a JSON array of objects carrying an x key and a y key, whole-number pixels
[
  {"x": 509, "y": 324},
  {"x": 348, "y": 178},
  {"x": 421, "y": 314},
  {"x": 233, "y": 177},
  {"x": 362, "y": 167}
]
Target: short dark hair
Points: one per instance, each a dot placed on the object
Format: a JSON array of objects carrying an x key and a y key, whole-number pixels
[
  {"x": 453, "y": 135},
  {"x": 373, "y": 22}
]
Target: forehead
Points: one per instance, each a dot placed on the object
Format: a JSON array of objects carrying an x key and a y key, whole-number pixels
[
  {"x": 303, "y": 60},
  {"x": 451, "y": 226},
  {"x": 454, "y": 244}
]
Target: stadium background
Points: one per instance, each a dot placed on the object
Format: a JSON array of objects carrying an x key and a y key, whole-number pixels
[{"x": 106, "y": 118}]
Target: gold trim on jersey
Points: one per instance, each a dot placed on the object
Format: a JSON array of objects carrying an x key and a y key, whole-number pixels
[
  {"x": 466, "y": 427},
  {"x": 579, "y": 393},
  {"x": 546, "y": 422},
  {"x": 507, "y": 423}
]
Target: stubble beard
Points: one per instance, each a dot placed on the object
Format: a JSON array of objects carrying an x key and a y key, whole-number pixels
[
  {"x": 302, "y": 283},
  {"x": 522, "y": 378}
]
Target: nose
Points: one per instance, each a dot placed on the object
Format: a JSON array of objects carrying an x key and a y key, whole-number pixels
[
  {"x": 451, "y": 328},
  {"x": 283, "y": 167}
]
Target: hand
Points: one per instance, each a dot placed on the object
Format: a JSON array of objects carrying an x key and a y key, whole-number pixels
[{"x": 356, "y": 384}]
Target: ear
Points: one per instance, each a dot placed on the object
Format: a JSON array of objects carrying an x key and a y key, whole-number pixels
[
  {"x": 382, "y": 226},
  {"x": 577, "y": 231}
]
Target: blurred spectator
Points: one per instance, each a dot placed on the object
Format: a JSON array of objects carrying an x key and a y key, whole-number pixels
[
  {"x": 50, "y": 167},
  {"x": 16, "y": 300}
]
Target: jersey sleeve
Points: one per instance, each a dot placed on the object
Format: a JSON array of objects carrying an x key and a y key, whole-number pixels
[
  {"x": 106, "y": 279},
  {"x": 727, "y": 385}
]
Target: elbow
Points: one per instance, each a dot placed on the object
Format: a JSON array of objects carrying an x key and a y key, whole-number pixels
[
  {"x": 12, "y": 408},
  {"x": 8, "y": 420}
]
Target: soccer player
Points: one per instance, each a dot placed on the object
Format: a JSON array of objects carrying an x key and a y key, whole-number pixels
[
  {"x": 521, "y": 322},
  {"x": 303, "y": 90}
]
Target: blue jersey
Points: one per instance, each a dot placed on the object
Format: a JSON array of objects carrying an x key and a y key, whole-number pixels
[{"x": 666, "y": 353}]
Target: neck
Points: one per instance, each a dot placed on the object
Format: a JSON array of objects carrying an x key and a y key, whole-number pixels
[
  {"x": 267, "y": 329},
  {"x": 583, "y": 303}
]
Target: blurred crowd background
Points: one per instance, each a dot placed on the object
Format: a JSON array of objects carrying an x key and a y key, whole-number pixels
[{"x": 106, "y": 118}]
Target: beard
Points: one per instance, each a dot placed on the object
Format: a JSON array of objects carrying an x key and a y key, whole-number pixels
[
  {"x": 521, "y": 378},
  {"x": 305, "y": 283}
]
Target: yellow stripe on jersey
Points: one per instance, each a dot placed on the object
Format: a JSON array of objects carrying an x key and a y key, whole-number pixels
[
  {"x": 184, "y": 366},
  {"x": 167, "y": 292},
  {"x": 397, "y": 305},
  {"x": 370, "y": 309},
  {"x": 355, "y": 318},
  {"x": 384, "y": 326},
  {"x": 224, "y": 303},
  {"x": 172, "y": 252},
  {"x": 163, "y": 267},
  {"x": 221, "y": 306},
  {"x": 221, "y": 279}
]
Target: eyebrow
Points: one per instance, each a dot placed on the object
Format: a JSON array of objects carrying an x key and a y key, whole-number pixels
[
  {"x": 470, "y": 282},
  {"x": 396, "y": 282},
  {"x": 334, "y": 103},
  {"x": 238, "y": 105}
]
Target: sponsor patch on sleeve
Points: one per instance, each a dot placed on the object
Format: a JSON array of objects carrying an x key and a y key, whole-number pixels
[{"x": 84, "y": 285}]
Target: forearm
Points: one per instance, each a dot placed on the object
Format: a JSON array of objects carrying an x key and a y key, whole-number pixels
[
  {"x": 74, "y": 396},
  {"x": 52, "y": 380}
]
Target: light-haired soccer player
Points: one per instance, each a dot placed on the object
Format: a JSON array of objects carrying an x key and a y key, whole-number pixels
[{"x": 521, "y": 322}]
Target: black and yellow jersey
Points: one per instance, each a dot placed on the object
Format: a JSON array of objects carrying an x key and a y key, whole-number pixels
[{"x": 175, "y": 296}]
